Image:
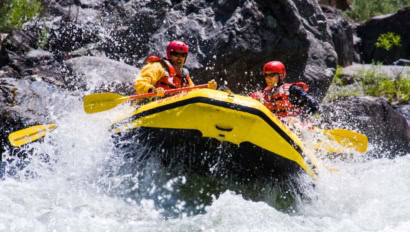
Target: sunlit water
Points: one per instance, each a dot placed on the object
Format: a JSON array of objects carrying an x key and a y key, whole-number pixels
[{"x": 80, "y": 188}]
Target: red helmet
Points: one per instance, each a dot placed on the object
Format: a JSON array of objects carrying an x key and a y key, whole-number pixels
[
  {"x": 274, "y": 67},
  {"x": 176, "y": 46}
]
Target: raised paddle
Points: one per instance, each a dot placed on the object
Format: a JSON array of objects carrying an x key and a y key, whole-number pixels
[
  {"x": 100, "y": 102},
  {"x": 30, "y": 134}
]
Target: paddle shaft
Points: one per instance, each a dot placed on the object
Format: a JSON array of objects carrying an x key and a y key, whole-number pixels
[
  {"x": 169, "y": 91},
  {"x": 100, "y": 102}
]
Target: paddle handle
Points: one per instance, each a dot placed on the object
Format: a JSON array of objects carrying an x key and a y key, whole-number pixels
[{"x": 169, "y": 91}]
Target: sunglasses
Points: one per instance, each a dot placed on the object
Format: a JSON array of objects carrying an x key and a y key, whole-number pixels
[
  {"x": 177, "y": 54},
  {"x": 271, "y": 74}
]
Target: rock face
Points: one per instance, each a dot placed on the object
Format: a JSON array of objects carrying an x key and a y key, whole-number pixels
[
  {"x": 405, "y": 110},
  {"x": 229, "y": 40},
  {"x": 342, "y": 35},
  {"x": 385, "y": 127},
  {"x": 369, "y": 32},
  {"x": 103, "y": 74}
]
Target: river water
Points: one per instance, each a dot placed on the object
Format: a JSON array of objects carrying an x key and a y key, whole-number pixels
[{"x": 77, "y": 190}]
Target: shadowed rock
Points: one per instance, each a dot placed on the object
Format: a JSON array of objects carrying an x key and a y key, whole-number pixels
[
  {"x": 342, "y": 35},
  {"x": 385, "y": 127},
  {"x": 103, "y": 74}
]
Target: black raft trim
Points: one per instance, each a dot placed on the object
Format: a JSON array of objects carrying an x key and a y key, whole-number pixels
[{"x": 219, "y": 103}]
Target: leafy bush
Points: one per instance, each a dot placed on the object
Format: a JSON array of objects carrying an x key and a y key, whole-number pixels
[
  {"x": 14, "y": 13},
  {"x": 378, "y": 84},
  {"x": 338, "y": 77},
  {"x": 335, "y": 92},
  {"x": 371, "y": 82},
  {"x": 366, "y": 9},
  {"x": 388, "y": 41}
]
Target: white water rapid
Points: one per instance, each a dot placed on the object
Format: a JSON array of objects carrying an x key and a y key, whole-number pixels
[{"x": 76, "y": 191}]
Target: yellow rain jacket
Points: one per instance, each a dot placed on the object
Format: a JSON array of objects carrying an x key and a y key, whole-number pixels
[{"x": 149, "y": 76}]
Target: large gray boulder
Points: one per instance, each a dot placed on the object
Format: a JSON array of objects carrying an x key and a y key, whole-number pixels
[
  {"x": 103, "y": 74},
  {"x": 342, "y": 31}
]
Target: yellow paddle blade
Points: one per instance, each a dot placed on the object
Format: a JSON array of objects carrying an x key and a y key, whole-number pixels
[
  {"x": 349, "y": 139},
  {"x": 327, "y": 146},
  {"x": 99, "y": 102},
  {"x": 330, "y": 147},
  {"x": 30, "y": 134}
]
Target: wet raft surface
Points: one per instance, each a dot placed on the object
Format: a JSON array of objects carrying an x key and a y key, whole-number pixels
[{"x": 187, "y": 149}]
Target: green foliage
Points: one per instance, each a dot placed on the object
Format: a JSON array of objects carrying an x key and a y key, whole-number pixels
[
  {"x": 378, "y": 84},
  {"x": 366, "y": 9},
  {"x": 337, "y": 79},
  {"x": 340, "y": 92},
  {"x": 43, "y": 37},
  {"x": 388, "y": 41},
  {"x": 14, "y": 13},
  {"x": 371, "y": 82},
  {"x": 339, "y": 89}
]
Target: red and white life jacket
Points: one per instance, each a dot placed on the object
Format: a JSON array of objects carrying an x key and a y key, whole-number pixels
[
  {"x": 277, "y": 100},
  {"x": 174, "y": 79}
]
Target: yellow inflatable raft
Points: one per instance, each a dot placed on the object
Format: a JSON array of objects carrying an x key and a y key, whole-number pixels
[{"x": 203, "y": 128}]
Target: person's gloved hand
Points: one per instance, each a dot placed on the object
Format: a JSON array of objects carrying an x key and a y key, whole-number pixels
[
  {"x": 159, "y": 91},
  {"x": 212, "y": 84}
]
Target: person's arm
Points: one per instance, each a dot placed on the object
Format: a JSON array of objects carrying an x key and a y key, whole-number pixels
[
  {"x": 297, "y": 96},
  {"x": 190, "y": 83},
  {"x": 148, "y": 77}
]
